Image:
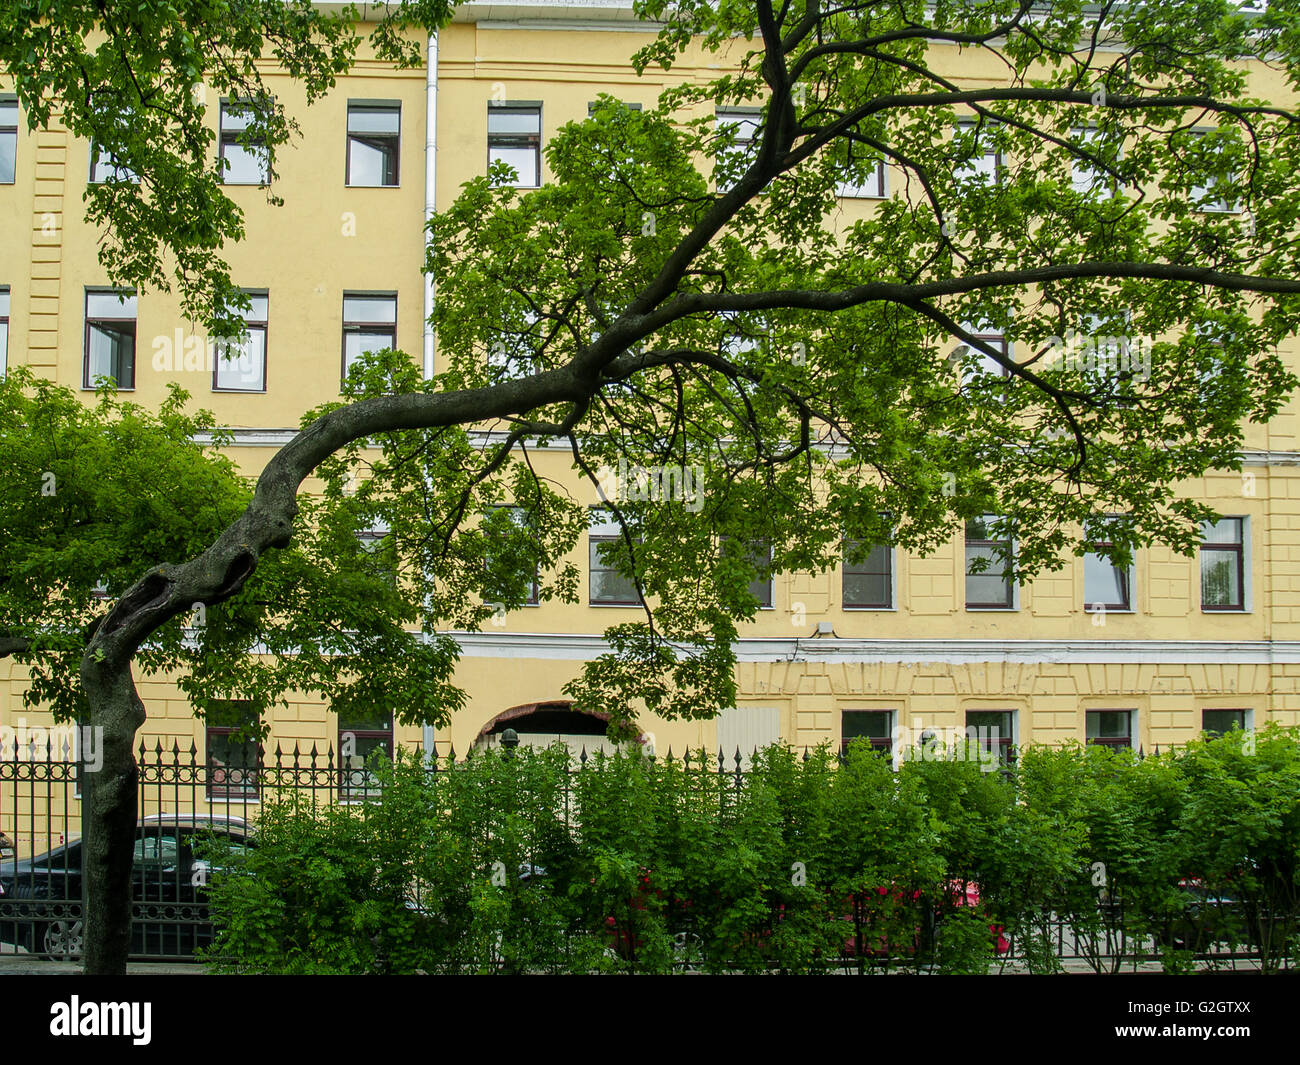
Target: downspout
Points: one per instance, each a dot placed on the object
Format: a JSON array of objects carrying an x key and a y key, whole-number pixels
[
  {"x": 430, "y": 205},
  {"x": 430, "y": 187}
]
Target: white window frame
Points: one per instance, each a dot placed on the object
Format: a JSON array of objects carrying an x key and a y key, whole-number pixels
[
  {"x": 1134, "y": 724},
  {"x": 847, "y": 191},
  {"x": 506, "y": 106},
  {"x": 6, "y": 299},
  {"x": 980, "y": 165},
  {"x": 221, "y": 347},
  {"x": 1015, "y": 584},
  {"x": 1096, "y": 607},
  {"x": 744, "y": 146},
  {"x": 893, "y": 582},
  {"x": 1247, "y": 597},
  {"x": 1198, "y": 191}
]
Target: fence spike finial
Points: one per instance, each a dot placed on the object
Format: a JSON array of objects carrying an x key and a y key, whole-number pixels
[
  {"x": 583, "y": 756},
  {"x": 805, "y": 752}
]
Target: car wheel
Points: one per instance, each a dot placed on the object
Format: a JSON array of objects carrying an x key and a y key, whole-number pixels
[{"x": 61, "y": 940}]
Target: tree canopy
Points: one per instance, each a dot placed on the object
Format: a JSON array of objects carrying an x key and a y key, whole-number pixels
[
  {"x": 96, "y": 493},
  {"x": 1106, "y": 186}
]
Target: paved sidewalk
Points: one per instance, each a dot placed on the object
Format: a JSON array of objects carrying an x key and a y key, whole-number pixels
[{"x": 24, "y": 964}]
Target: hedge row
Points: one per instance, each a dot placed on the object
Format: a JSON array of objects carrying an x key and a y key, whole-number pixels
[{"x": 804, "y": 863}]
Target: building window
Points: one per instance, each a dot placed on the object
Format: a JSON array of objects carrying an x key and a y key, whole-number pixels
[
  {"x": 1223, "y": 582},
  {"x": 608, "y": 586},
  {"x": 528, "y": 567},
  {"x": 986, "y": 164},
  {"x": 515, "y": 138},
  {"x": 4, "y": 329},
  {"x": 1110, "y": 728},
  {"x": 380, "y": 551},
  {"x": 871, "y": 188},
  {"x": 1084, "y": 177},
  {"x": 734, "y": 159},
  {"x": 759, "y": 555},
  {"x": 374, "y": 144},
  {"x": 8, "y": 139},
  {"x": 868, "y": 576},
  {"x": 234, "y": 750},
  {"x": 1221, "y": 722},
  {"x": 105, "y": 169},
  {"x": 1106, "y": 586},
  {"x": 244, "y": 161},
  {"x": 240, "y": 364},
  {"x": 874, "y": 726},
  {"x": 995, "y": 730},
  {"x": 591, "y": 107},
  {"x": 1211, "y": 197},
  {"x": 369, "y": 325},
  {"x": 990, "y": 581},
  {"x": 110, "y": 337},
  {"x": 360, "y": 736},
  {"x": 987, "y": 365}
]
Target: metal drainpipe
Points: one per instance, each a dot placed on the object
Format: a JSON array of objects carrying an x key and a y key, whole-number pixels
[{"x": 430, "y": 186}]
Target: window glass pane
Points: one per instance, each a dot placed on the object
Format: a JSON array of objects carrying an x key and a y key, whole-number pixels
[
  {"x": 4, "y": 345},
  {"x": 241, "y": 366},
  {"x": 244, "y": 166},
  {"x": 371, "y": 163},
  {"x": 1220, "y": 578},
  {"x": 111, "y": 353},
  {"x": 1227, "y": 531},
  {"x": 866, "y": 724},
  {"x": 522, "y": 160},
  {"x": 257, "y": 312},
  {"x": 110, "y": 305},
  {"x": 1108, "y": 724},
  {"x": 367, "y": 309},
  {"x": 234, "y": 118},
  {"x": 358, "y": 343},
  {"x": 4, "y": 303},
  {"x": 602, "y": 523},
  {"x": 105, "y": 168},
  {"x": 514, "y": 120},
  {"x": 866, "y": 589},
  {"x": 8, "y": 140},
  {"x": 374, "y": 119},
  {"x": 1103, "y": 582},
  {"x": 607, "y": 585},
  {"x": 1220, "y": 721}
]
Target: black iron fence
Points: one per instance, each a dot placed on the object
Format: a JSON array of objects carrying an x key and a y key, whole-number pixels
[{"x": 183, "y": 799}]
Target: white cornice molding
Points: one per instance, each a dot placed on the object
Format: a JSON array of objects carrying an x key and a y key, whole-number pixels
[
  {"x": 584, "y": 647},
  {"x": 483, "y": 438}
]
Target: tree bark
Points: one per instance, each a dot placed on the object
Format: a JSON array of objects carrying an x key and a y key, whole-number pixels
[{"x": 109, "y": 818}]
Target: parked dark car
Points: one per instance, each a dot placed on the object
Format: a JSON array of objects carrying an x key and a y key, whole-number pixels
[
  {"x": 6, "y": 848},
  {"x": 40, "y": 897}
]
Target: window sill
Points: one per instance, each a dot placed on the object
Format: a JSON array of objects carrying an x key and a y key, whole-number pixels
[
  {"x": 876, "y": 609},
  {"x": 241, "y": 391},
  {"x": 119, "y": 388},
  {"x": 1225, "y": 610},
  {"x": 993, "y": 609},
  {"x": 618, "y": 606},
  {"x": 349, "y": 185},
  {"x": 1104, "y": 609}
]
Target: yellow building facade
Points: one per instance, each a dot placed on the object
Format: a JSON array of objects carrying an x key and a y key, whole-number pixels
[{"x": 904, "y": 642}]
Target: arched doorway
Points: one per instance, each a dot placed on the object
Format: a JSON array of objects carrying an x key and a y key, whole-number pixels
[{"x": 542, "y": 724}]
